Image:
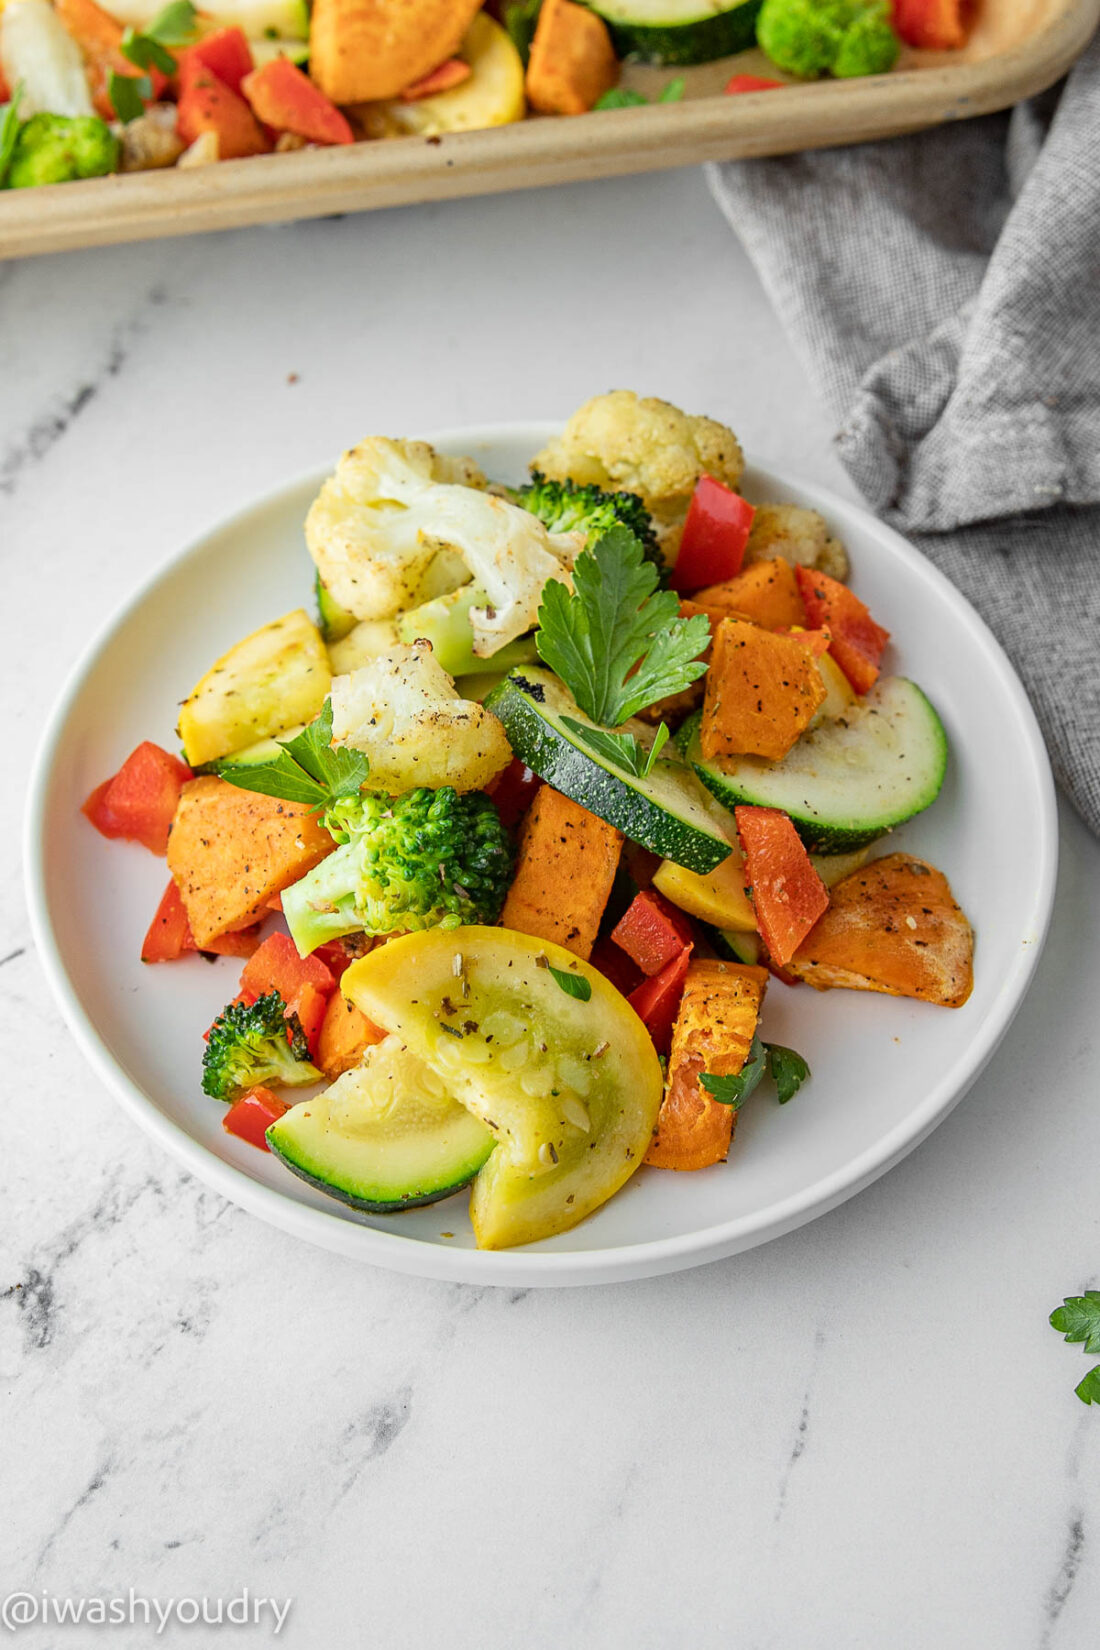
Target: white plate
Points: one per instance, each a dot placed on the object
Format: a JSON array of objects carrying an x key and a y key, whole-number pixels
[{"x": 885, "y": 1071}]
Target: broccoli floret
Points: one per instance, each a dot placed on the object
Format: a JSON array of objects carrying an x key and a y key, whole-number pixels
[
  {"x": 254, "y": 1043},
  {"x": 567, "y": 507},
  {"x": 422, "y": 860},
  {"x": 845, "y": 38},
  {"x": 59, "y": 148}
]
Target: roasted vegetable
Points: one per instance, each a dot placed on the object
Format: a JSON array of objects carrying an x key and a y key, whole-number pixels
[
  {"x": 231, "y": 850},
  {"x": 845, "y": 38},
  {"x": 346, "y": 1034},
  {"x": 893, "y": 926},
  {"x": 272, "y": 681},
  {"x": 713, "y": 1034},
  {"x": 406, "y": 715},
  {"x": 60, "y": 149},
  {"x": 572, "y": 61},
  {"x": 140, "y": 801},
  {"x": 405, "y": 863},
  {"x": 567, "y": 863},
  {"x": 366, "y": 49},
  {"x": 490, "y": 94},
  {"x": 787, "y": 893},
  {"x": 762, "y": 691},
  {"x": 765, "y": 592},
  {"x": 857, "y": 642},
  {"x": 569, "y": 507},
  {"x": 801, "y": 536},
  {"x": 256, "y": 1043}
]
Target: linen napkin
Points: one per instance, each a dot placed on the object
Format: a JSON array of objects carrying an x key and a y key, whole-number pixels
[{"x": 944, "y": 291}]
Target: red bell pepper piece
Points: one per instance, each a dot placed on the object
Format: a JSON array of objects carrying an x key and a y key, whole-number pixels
[
  {"x": 657, "y": 1001},
  {"x": 513, "y": 791},
  {"x": 787, "y": 893},
  {"x": 285, "y": 98},
  {"x": 451, "y": 72},
  {"x": 140, "y": 802},
  {"x": 933, "y": 25},
  {"x": 857, "y": 641},
  {"x": 652, "y": 931},
  {"x": 226, "y": 53},
  {"x": 250, "y": 1117},
  {"x": 334, "y": 957},
  {"x": 207, "y": 104},
  {"x": 276, "y": 966},
  {"x": 715, "y": 534},
  {"x": 170, "y": 935},
  {"x": 5, "y": 89},
  {"x": 616, "y": 966},
  {"x": 750, "y": 83}
]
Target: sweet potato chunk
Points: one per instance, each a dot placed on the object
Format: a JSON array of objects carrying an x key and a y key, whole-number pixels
[
  {"x": 766, "y": 593},
  {"x": 713, "y": 1033},
  {"x": 361, "y": 50},
  {"x": 891, "y": 926},
  {"x": 762, "y": 691},
  {"x": 346, "y": 1034},
  {"x": 572, "y": 60},
  {"x": 567, "y": 863},
  {"x": 229, "y": 851}
]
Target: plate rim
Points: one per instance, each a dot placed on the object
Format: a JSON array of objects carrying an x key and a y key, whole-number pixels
[{"x": 621, "y": 1262}]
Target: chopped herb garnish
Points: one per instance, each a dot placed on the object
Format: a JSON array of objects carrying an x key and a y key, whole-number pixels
[
  {"x": 621, "y": 97},
  {"x": 128, "y": 94},
  {"x": 574, "y": 985},
  {"x": 309, "y": 768},
  {"x": 787, "y": 1070},
  {"x": 617, "y": 642},
  {"x": 9, "y": 129}
]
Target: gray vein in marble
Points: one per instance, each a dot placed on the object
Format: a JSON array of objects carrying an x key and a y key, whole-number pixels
[
  {"x": 1062, "y": 1587},
  {"x": 48, "y": 430},
  {"x": 374, "y": 1432},
  {"x": 91, "y": 1489},
  {"x": 802, "y": 1430},
  {"x": 20, "y": 951}
]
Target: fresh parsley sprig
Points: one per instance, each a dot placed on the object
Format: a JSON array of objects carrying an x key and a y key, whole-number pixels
[
  {"x": 1078, "y": 1319},
  {"x": 308, "y": 768},
  {"x": 787, "y": 1069},
  {"x": 175, "y": 25},
  {"x": 617, "y": 642},
  {"x": 625, "y": 97},
  {"x": 574, "y": 985},
  {"x": 622, "y": 750}
]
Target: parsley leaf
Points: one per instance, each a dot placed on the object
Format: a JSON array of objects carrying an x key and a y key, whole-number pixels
[
  {"x": 617, "y": 642},
  {"x": 574, "y": 985},
  {"x": 622, "y": 750},
  {"x": 734, "y": 1090},
  {"x": 787, "y": 1070},
  {"x": 175, "y": 25},
  {"x": 128, "y": 94},
  {"x": 308, "y": 768},
  {"x": 145, "y": 52},
  {"x": 1088, "y": 1390},
  {"x": 620, "y": 97},
  {"x": 674, "y": 91},
  {"x": 1078, "y": 1319},
  {"x": 9, "y": 129}
]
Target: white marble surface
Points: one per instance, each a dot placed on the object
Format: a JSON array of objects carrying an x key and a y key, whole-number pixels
[{"x": 862, "y": 1435}]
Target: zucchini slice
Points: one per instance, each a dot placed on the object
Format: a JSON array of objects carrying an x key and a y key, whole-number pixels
[
  {"x": 385, "y": 1136},
  {"x": 679, "y": 31},
  {"x": 335, "y": 621},
  {"x": 667, "y": 812},
  {"x": 569, "y": 1084},
  {"x": 850, "y": 780}
]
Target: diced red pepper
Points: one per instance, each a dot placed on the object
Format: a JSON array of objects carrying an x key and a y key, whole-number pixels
[
  {"x": 652, "y": 931},
  {"x": 857, "y": 641},
  {"x": 5, "y": 89},
  {"x": 933, "y": 25},
  {"x": 334, "y": 957},
  {"x": 750, "y": 83},
  {"x": 250, "y": 1117},
  {"x": 226, "y": 53},
  {"x": 285, "y": 98},
  {"x": 715, "y": 534},
  {"x": 616, "y": 966},
  {"x": 451, "y": 72},
  {"x": 140, "y": 802},
  {"x": 513, "y": 791},
  {"x": 207, "y": 104},
  {"x": 657, "y": 1001},
  {"x": 309, "y": 1005},
  {"x": 787, "y": 893},
  {"x": 277, "y": 966},
  {"x": 170, "y": 936}
]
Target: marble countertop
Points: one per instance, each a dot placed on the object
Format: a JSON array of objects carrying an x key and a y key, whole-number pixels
[{"x": 864, "y": 1434}]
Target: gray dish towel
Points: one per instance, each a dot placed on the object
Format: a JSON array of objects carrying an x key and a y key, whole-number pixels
[{"x": 944, "y": 291}]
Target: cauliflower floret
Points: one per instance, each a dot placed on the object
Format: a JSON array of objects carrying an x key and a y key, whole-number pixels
[
  {"x": 405, "y": 712},
  {"x": 398, "y": 525},
  {"x": 647, "y": 447},
  {"x": 800, "y": 536}
]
